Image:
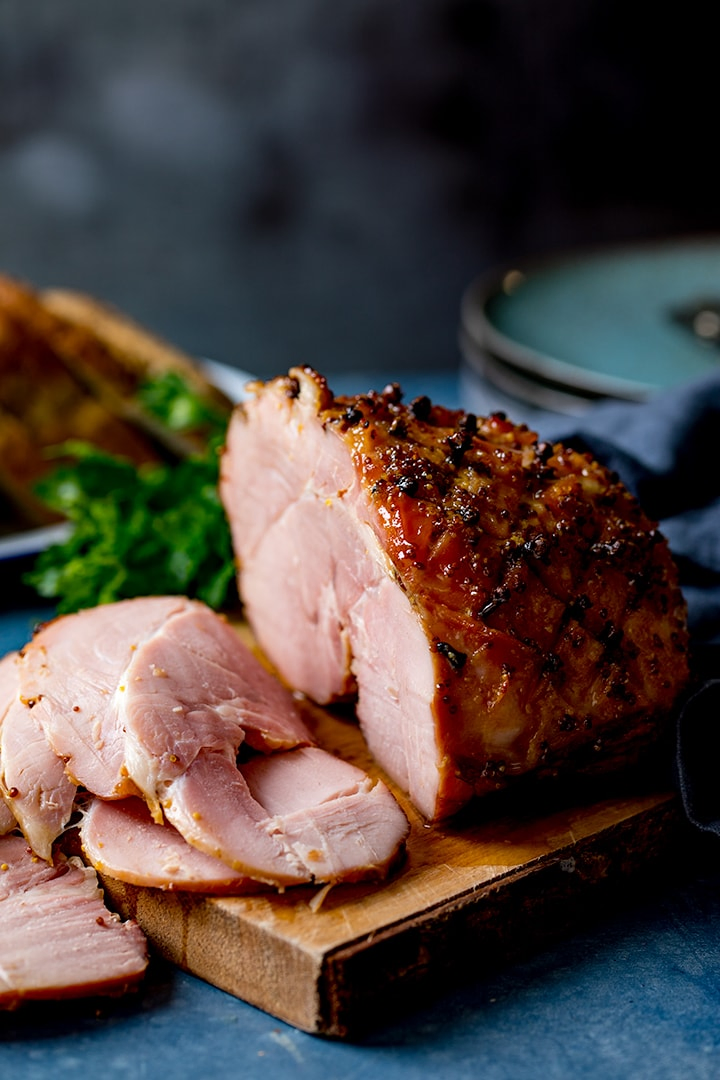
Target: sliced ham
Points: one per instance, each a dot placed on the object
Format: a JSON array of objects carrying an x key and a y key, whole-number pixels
[
  {"x": 500, "y": 606},
  {"x": 36, "y": 787},
  {"x": 8, "y": 690},
  {"x": 177, "y": 695},
  {"x": 95, "y": 703},
  {"x": 57, "y": 938},
  {"x": 296, "y": 816},
  {"x": 7, "y": 820},
  {"x": 196, "y": 688},
  {"x": 121, "y": 839},
  {"x": 37, "y": 794},
  {"x": 339, "y": 823},
  {"x": 69, "y": 673},
  {"x": 324, "y": 816}
]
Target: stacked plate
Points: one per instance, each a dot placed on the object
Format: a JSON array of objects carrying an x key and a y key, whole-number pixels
[{"x": 619, "y": 323}]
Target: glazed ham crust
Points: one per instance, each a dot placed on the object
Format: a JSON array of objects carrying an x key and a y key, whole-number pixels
[{"x": 501, "y": 605}]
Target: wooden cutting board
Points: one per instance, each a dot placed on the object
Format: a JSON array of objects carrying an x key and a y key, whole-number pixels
[
  {"x": 504, "y": 876},
  {"x": 470, "y": 894}
]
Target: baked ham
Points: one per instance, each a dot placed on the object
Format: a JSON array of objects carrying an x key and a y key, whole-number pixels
[
  {"x": 500, "y": 606},
  {"x": 57, "y": 938},
  {"x": 153, "y": 698}
]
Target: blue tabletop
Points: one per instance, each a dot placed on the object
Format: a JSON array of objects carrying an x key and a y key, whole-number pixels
[{"x": 635, "y": 993}]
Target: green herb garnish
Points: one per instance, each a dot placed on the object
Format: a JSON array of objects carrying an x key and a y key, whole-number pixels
[
  {"x": 137, "y": 531},
  {"x": 169, "y": 399}
]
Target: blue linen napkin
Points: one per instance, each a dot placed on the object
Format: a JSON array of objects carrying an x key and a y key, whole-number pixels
[{"x": 667, "y": 451}]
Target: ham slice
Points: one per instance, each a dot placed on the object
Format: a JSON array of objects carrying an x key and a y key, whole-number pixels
[
  {"x": 8, "y": 689},
  {"x": 70, "y": 673},
  {"x": 57, "y": 938},
  {"x": 36, "y": 787},
  {"x": 195, "y": 688},
  {"x": 36, "y": 792},
  {"x": 339, "y": 823},
  {"x": 176, "y": 695},
  {"x": 297, "y": 816},
  {"x": 121, "y": 839},
  {"x": 7, "y": 820},
  {"x": 501, "y": 607}
]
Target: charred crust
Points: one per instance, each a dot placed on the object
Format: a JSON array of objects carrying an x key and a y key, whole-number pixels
[
  {"x": 547, "y": 474},
  {"x": 458, "y": 443},
  {"x": 469, "y": 514},
  {"x": 610, "y": 636},
  {"x": 552, "y": 663},
  {"x": 543, "y": 452},
  {"x": 409, "y": 485},
  {"x": 393, "y": 394},
  {"x": 609, "y": 548},
  {"x": 421, "y": 407},
  {"x": 620, "y": 691},
  {"x": 578, "y": 607},
  {"x": 538, "y": 547},
  {"x": 292, "y": 387},
  {"x": 480, "y": 467},
  {"x": 499, "y": 596},
  {"x": 454, "y": 657}
]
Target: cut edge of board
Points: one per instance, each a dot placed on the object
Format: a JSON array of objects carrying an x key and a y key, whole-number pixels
[{"x": 370, "y": 983}]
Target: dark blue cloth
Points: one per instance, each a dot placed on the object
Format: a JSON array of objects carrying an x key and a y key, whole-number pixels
[{"x": 667, "y": 451}]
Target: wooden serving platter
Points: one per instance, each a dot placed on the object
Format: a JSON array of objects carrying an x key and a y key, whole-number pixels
[{"x": 470, "y": 894}]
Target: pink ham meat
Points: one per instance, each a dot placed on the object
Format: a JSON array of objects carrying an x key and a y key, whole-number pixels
[
  {"x": 500, "y": 606},
  {"x": 303, "y": 814},
  {"x": 8, "y": 689},
  {"x": 331, "y": 821},
  {"x": 57, "y": 938},
  {"x": 196, "y": 689},
  {"x": 70, "y": 675},
  {"x": 37, "y": 794},
  {"x": 330, "y": 814},
  {"x": 176, "y": 695},
  {"x": 7, "y": 820},
  {"x": 121, "y": 839}
]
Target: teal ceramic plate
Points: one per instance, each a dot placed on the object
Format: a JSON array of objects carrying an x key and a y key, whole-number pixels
[{"x": 619, "y": 323}]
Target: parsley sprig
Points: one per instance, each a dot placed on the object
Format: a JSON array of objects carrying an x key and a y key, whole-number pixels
[
  {"x": 175, "y": 404},
  {"x": 156, "y": 529}
]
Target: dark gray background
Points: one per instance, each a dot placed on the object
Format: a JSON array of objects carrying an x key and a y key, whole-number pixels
[{"x": 279, "y": 181}]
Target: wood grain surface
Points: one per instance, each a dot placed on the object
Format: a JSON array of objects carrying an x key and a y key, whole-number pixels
[{"x": 508, "y": 875}]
